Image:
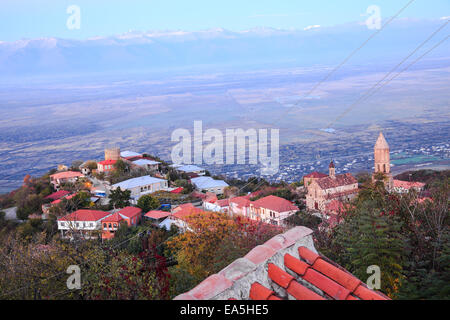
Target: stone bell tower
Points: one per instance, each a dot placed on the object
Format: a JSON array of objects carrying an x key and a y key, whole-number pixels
[
  {"x": 382, "y": 160},
  {"x": 332, "y": 170}
]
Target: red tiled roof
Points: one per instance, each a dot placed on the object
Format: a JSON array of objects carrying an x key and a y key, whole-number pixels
[
  {"x": 340, "y": 180},
  {"x": 116, "y": 217},
  {"x": 408, "y": 184},
  {"x": 316, "y": 175},
  {"x": 57, "y": 195},
  {"x": 156, "y": 214},
  {"x": 66, "y": 175},
  {"x": 274, "y": 203},
  {"x": 85, "y": 215},
  {"x": 130, "y": 212},
  {"x": 283, "y": 268},
  {"x": 107, "y": 162}
]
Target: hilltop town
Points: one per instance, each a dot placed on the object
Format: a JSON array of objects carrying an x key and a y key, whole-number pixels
[{"x": 130, "y": 195}]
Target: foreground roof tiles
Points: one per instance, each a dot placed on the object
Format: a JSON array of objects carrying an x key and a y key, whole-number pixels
[{"x": 285, "y": 267}]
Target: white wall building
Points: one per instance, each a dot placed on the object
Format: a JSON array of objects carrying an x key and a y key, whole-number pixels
[
  {"x": 208, "y": 184},
  {"x": 141, "y": 186}
]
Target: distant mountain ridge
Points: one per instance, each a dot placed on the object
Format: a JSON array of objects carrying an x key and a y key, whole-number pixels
[{"x": 157, "y": 50}]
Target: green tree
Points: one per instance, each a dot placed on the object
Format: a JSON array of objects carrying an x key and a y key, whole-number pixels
[
  {"x": 148, "y": 202},
  {"x": 119, "y": 198}
]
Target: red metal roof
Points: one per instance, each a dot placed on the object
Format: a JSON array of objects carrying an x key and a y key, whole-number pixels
[
  {"x": 57, "y": 195},
  {"x": 66, "y": 175},
  {"x": 116, "y": 217},
  {"x": 156, "y": 214},
  {"x": 274, "y": 203},
  {"x": 85, "y": 215},
  {"x": 67, "y": 198},
  {"x": 130, "y": 212}
]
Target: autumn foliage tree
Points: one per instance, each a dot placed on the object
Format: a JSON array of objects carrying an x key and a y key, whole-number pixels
[{"x": 214, "y": 240}]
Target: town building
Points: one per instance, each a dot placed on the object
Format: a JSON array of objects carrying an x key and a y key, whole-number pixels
[
  {"x": 208, "y": 184},
  {"x": 189, "y": 169},
  {"x": 406, "y": 186},
  {"x": 84, "y": 223},
  {"x": 287, "y": 267},
  {"x": 128, "y": 215},
  {"x": 106, "y": 166},
  {"x": 324, "y": 189},
  {"x": 141, "y": 185},
  {"x": 272, "y": 209},
  {"x": 147, "y": 164},
  {"x": 60, "y": 178}
]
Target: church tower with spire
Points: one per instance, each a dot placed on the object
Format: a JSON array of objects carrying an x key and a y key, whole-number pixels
[{"x": 382, "y": 160}]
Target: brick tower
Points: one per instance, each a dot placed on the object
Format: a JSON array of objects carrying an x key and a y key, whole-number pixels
[{"x": 382, "y": 160}]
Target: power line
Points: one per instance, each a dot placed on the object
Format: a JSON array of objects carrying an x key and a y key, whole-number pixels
[
  {"x": 369, "y": 92},
  {"x": 345, "y": 60}
]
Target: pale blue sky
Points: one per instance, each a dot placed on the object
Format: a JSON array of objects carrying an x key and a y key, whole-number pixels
[{"x": 25, "y": 19}]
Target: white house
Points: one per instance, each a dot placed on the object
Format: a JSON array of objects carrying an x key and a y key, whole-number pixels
[
  {"x": 141, "y": 186},
  {"x": 147, "y": 164},
  {"x": 208, "y": 184},
  {"x": 190, "y": 169},
  {"x": 84, "y": 222}
]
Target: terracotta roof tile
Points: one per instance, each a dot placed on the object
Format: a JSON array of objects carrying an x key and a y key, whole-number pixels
[
  {"x": 330, "y": 287},
  {"x": 343, "y": 278},
  {"x": 271, "y": 262},
  {"x": 295, "y": 265},
  {"x": 300, "y": 292},
  {"x": 308, "y": 255},
  {"x": 210, "y": 287},
  {"x": 259, "y": 292},
  {"x": 365, "y": 293},
  {"x": 282, "y": 278},
  {"x": 260, "y": 254}
]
